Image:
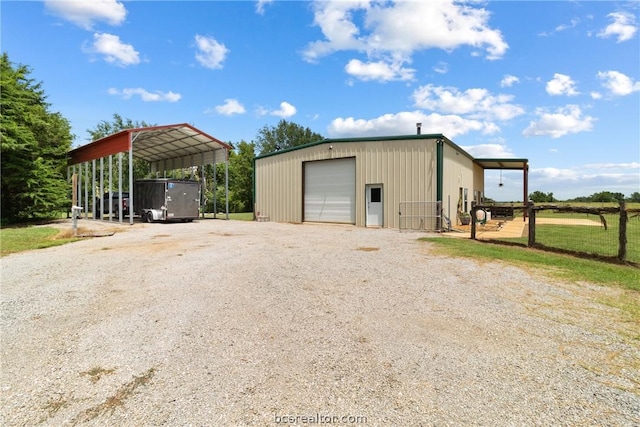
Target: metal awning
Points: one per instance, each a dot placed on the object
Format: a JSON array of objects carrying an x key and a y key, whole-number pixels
[
  {"x": 505, "y": 163},
  {"x": 180, "y": 143}
]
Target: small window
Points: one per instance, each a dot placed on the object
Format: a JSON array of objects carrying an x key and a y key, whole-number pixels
[{"x": 376, "y": 195}]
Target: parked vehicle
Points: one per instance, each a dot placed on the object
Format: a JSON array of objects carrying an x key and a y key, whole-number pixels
[
  {"x": 115, "y": 200},
  {"x": 166, "y": 199}
]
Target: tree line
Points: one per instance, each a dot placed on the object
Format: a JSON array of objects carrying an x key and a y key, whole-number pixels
[
  {"x": 36, "y": 141},
  {"x": 600, "y": 197}
]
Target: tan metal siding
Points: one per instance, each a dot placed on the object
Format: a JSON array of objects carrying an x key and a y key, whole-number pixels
[
  {"x": 458, "y": 172},
  {"x": 405, "y": 168}
]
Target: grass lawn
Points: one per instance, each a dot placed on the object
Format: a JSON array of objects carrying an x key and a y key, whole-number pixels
[
  {"x": 587, "y": 239},
  {"x": 241, "y": 216},
  {"x": 18, "y": 239},
  {"x": 564, "y": 267}
]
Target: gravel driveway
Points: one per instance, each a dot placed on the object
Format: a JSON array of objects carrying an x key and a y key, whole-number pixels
[{"x": 228, "y": 323}]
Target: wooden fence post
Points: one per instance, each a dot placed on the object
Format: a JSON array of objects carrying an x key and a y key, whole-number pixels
[
  {"x": 531, "y": 213},
  {"x": 622, "y": 248},
  {"x": 474, "y": 212}
]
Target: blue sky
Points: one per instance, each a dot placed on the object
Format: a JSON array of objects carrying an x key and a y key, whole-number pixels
[{"x": 557, "y": 83}]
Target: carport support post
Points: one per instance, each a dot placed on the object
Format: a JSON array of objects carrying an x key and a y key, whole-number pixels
[
  {"x": 110, "y": 187},
  {"x": 202, "y": 187},
  {"x": 101, "y": 187},
  {"x": 215, "y": 184},
  {"x": 93, "y": 188},
  {"x": 226, "y": 180},
  {"x": 120, "y": 187},
  {"x": 86, "y": 190},
  {"x": 130, "y": 205}
]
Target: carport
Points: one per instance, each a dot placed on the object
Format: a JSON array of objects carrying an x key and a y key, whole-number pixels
[
  {"x": 165, "y": 148},
  {"x": 510, "y": 164}
]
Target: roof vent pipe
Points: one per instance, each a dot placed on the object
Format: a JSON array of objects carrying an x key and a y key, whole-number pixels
[{"x": 418, "y": 127}]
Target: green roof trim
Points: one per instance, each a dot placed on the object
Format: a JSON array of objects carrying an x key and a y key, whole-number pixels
[{"x": 361, "y": 139}]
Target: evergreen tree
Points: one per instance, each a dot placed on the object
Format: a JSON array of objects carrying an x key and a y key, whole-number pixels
[{"x": 35, "y": 143}]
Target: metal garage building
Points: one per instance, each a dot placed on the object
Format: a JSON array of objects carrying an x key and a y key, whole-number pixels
[
  {"x": 165, "y": 148},
  {"x": 411, "y": 181}
]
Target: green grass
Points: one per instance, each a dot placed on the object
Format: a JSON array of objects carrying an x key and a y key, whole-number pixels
[
  {"x": 559, "y": 266},
  {"x": 18, "y": 239},
  {"x": 241, "y": 216},
  {"x": 587, "y": 239},
  {"x": 562, "y": 266}
]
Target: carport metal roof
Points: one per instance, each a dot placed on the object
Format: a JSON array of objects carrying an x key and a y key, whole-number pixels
[
  {"x": 167, "y": 147},
  {"x": 154, "y": 144}
]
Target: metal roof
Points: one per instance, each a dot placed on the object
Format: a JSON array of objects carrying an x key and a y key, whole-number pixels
[
  {"x": 505, "y": 163},
  {"x": 181, "y": 142},
  {"x": 434, "y": 136}
]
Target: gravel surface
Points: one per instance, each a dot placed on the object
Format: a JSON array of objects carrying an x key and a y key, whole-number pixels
[{"x": 228, "y": 323}]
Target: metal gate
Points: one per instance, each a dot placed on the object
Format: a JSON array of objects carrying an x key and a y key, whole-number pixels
[{"x": 426, "y": 216}]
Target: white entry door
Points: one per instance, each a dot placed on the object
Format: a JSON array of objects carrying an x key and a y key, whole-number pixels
[{"x": 374, "y": 205}]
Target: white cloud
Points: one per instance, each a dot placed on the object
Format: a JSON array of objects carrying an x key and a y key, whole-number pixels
[
  {"x": 595, "y": 95},
  {"x": 623, "y": 26},
  {"x": 477, "y": 103},
  {"x": 85, "y": 13},
  {"x": 508, "y": 80},
  {"x": 632, "y": 165},
  {"x": 113, "y": 50},
  {"x": 211, "y": 53},
  {"x": 566, "y": 120},
  {"x": 617, "y": 83},
  {"x": 286, "y": 110},
  {"x": 561, "y": 84},
  {"x": 488, "y": 151},
  {"x": 404, "y": 123},
  {"x": 260, "y": 5},
  {"x": 230, "y": 107},
  {"x": 144, "y": 95},
  {"x": 392, "y": 31},
  {"x": 563, "y": 27},
  {"x": 441, "y": 68},
  {"x": 378, "y": 71},
  {"x": 583, "y": 181}
]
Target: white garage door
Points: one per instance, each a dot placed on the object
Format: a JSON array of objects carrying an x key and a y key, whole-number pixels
[{"x": 330, "y": 191}]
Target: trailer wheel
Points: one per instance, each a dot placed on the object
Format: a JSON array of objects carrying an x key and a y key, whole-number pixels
[{"x": 147, "y": 217}]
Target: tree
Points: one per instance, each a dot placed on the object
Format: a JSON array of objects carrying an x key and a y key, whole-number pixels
[
  {"x": 284, "y": 135},
  {"x": 105, "y": 128},
  {"x": 540, "y": 197},
  {"x": 634, "y": 198},
  {"x": 34, "y": 144},
  {"x": 241, "y": 180}
]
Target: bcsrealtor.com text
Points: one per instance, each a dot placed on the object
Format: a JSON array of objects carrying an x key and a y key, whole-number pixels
[{"x": 320, "y": 419}]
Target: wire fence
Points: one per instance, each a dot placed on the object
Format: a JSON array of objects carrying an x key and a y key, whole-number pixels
[
  {"x": 609, "y": 233},
  {"x": 425, "y": 216}
]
